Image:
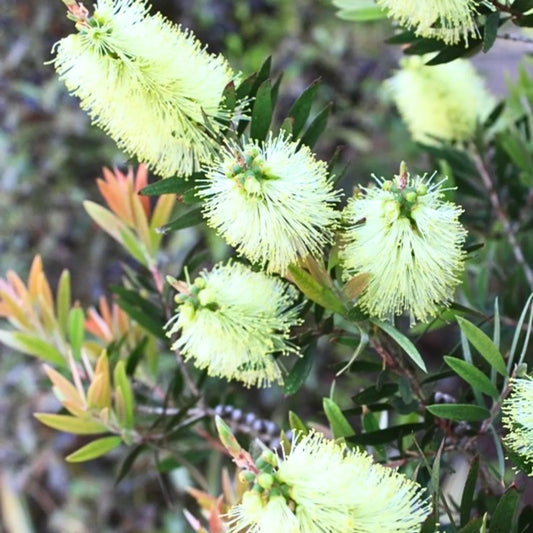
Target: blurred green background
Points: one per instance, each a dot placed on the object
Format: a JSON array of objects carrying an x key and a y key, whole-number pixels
[{"x": 51, "y": 155}]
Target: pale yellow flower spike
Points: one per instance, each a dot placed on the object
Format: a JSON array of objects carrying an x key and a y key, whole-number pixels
[
  {"x": 409, "y": 240},
  {"x": 231, "y": 321},
  {"x": 518, "y": 419},
  {"x": 147, "y": 83},
  {"x": 321, "y": 486},
  {"x": 273, "y": 201},
  {"x": 445, "y": 101},
  {"x": 448, "y": 20}
]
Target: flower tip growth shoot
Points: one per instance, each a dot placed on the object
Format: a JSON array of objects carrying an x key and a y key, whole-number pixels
[
  {"x": 518, "y": 419},
  {"x": 440, "y": 101},
  {"x": 147, "y": 83},
  {"x": 409, "y": 240},
  {"x": 273, "y": 201},
  {"x": 232, "y": 321},
  {"x": 322, "y": 486},
  {"x": 448, "y": 20}
]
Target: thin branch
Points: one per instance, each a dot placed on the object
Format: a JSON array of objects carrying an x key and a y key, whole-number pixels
[
  {"x": 515, "y": 38},
  {"x": 505, "y": 8},
  {"x": 502, "y": 216}
]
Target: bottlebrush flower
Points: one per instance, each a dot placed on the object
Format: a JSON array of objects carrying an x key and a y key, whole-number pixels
[
  {"x": 272, "y": 201},
  {"x": 232, "y": 321},
  {"x": 518, "y": 418},
  {"x": 147, "y": 83},
  {"x": 445, "y": 101},
  {"x": 448, "y": 20},
  {"x": 322, "y": 486},
  {"x": 409, "y": 240}
]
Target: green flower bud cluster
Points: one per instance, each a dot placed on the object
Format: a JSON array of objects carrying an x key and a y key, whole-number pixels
[
  {"x": 199, "y": 295},
  {"x": 405, "y": 196},
  {"x": 249, "y": 171},
  {"x": 266, "y": 483}
]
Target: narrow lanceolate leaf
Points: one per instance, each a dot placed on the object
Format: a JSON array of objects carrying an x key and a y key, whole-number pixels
[
  {"x": 262, "y": 113},
  {"x": 467, "y": 499},
  {"x": 71, "y": 424},
  {"x": 459, "y": 411},
  {"x": 118, "y": 229},
  {"x": 316, "y": 292},
  {"x": 490, "y": 30},
  {"x": 356, "y": 285},
  {"x": 503, "y": 516},
  {"x": 316, "y": 128},
  {"x": 472, "y": 375},
  {"x": 188, "y": 219},
  {"x": 296, "y": 424},
  {"x": 64, "y": 390},
  {"x": 99, "y": 393},
  {"x": 29, "y": 344},
  {"x": 299, "y": 112},
  {"x": 76, "y": 330},
  {"x": 483, "y": 344},
  {"x": 340, "y": 427},
  {"x": 63, "y": 301},
  {"x": 123, "y": 385},
  {"x": 94, "y": 449},
  {"x": 300, "y": 371},
  {"x": 403, "y": 342},
  {"x": 167, "y": 186}
]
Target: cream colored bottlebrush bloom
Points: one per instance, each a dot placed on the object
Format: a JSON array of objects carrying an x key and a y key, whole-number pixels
[
  {"x": 445, "y": 101},
  {"x": 518, "y": 419},
  {"x": 147, "y": 83},
  {"x": 409, "y": 240},
  {"x": 231, "y": 321},
  {"x": 324, "y": 487},
  {"x": 272, "y": 201},
  {"x": 448, "y": 20}
]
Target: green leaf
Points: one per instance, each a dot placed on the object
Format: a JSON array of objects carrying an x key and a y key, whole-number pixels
[
  {"x": 63, "y": 301},
  {"x": 29, "y": 344},
  {"x": 191, "y": 218},
  {"x": 503, "y": 516},
  {"x": 143, "y": 311},
  {"x": 435, "y": 473},
  {"x": 403, "y": 342},
  {"x": 76, "y": 331},
  {"x": 262, "y": 75},
  {"x": 122, "y": 382},
  {"x": 467, "y": 499},
  {"x": 71, "y": 424},
  {"x": 262, "y": 112},
  {"x": 492, "y": 23},
  {"x": 483, "y": 344},
  {"x": 316, "y": 292},
  {"x": 118, "y": 229},
  {"x": 296, "y": 424},
  {"x": 126, "y": 465},
  {"x": 362, "y": 14},
  {"x": 299, "y": 111},
  {"x": 374, "y": 393},
  {"x": 340, "y": 427},
  {"x": 170, "y": 186},
  {"x": 94, "y": 449},
  {"x": 229, "y": 97},
  {"x": 387, "y": 435},
  {"x": 475, "y": 526},
  {"x": 316, "y": 128},
  {"x": 459, "y": 411},
  {"x": 472, "y": 375},
  {"x": 449, "y": 53},
  {"x": 424, "y": 46},
  {"x": 300, "y": 371}
]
